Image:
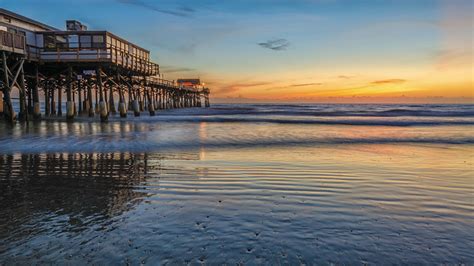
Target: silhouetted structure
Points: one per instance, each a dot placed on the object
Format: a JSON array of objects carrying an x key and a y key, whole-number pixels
[{"x": 196, "y": 85}]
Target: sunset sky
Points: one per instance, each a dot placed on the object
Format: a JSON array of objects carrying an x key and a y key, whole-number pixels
[{"x": 293, "y": 50}]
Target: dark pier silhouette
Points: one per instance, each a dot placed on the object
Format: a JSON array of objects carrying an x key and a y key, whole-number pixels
[{"x": 82, "y": 73}]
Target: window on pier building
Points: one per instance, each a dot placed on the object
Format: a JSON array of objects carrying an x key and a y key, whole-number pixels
[
  {"x": 73, "y": 41},
  {"x": 85, "y": 41},
  {"x": 49, "y": 42},
  {"x": 98, "y": 41},
  {"x": 113, "y": 42},
  {"x": 61, "y": 42},
  {"x": 109, "y": 41}
]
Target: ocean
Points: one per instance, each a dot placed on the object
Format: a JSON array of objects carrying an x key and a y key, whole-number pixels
[{"x": 242, "y": 184}]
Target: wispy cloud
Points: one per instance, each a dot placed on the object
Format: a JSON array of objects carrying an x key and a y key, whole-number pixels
[
  {"x": 344, "y": 77},
  {"x": 232, "y": 88},
  {"x": 295, "y": 86},
  {"x": 454, "y": 58},
  {"x": 389, "y": 81},
  {"x": 185, "y": 37},
  {"x": 306, "y": 84},
  {"x": 276, "y": 45},
  {"x": 172, "y": 69},
  {"x": 180, "y": 12}
]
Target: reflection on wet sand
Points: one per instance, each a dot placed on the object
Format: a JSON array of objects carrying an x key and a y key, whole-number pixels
[
  {"x": 69, "y": 192},
  {"x": 300, "y": 205},
  {"x": 76, "y": 186}
]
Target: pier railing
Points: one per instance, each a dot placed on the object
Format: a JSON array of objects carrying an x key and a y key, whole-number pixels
[
  {"x": 95, "y": 46},
  {"x": 12, "y": 42},
  {"x": 173, "y": 84}
]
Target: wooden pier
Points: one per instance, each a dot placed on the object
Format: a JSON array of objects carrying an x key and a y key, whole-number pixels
[{"x": 78, "y": 72}]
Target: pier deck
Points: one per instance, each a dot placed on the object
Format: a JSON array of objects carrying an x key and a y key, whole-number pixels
[
  {"x": 12, "y": 42},
  {"x": 96, "y": 73}
]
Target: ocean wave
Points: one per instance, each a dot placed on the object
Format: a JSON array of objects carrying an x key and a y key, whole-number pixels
[
  {"x": 326, "y": 110},
  {"x": 72, "y": 145},
  {"x": 305, "y": 121},
  {"x": 332, "y": 110}
]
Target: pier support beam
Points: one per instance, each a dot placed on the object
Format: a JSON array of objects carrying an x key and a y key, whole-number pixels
[
  {"x": 46, "y": 98},
  {"x": 23, "y": 115},
  {"x": 111, "y": 99},
  {"x": 59, "y": 87},
  {"x": 136, "y": 108},
  {"x": 11, "y": 73},
  {"x": 147, "y": 92},
  {"x": 36, "y": 102},
  {"x": 135, "y": 94},
  {"x": 7, "y": 107},
  {"x": 96, "y": 89},
  {"x": 79, "y": 96},
  {"x": 1, "y": 102},
  {"x": 122, "y": 108},
  {"x": 151, "y": 107},
  {"x": 89, "y": 98},
  {"x": 141, "y": 100},
  {"x": 206, "y": 100},
  {"x": 104, "y": 114},
  {"x": 51, "y": 95},
  {"x": 130, "y": 99},
  {"x": 69, "y": 102}
]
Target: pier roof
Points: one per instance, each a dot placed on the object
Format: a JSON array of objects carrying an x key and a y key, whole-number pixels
[
  {"x": 91, "y": 32},
  {"x": 14, "y": 15}
]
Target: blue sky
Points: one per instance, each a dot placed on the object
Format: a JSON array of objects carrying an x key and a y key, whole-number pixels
[{"x": 228, "y": 42}]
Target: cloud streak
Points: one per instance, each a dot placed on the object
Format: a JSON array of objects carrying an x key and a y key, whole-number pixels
[
  {"x": 344, "y": 77},
  {"x": 275, "y": 45},
  {"x": 180, "y": 12},
  {"x": 306, "y": 84},
  {"x": 238, "y": 86},
  {"x": 388, "y": 81},
  {"x": 295, "y": 86},
  {"x": 171, "y": 69}
]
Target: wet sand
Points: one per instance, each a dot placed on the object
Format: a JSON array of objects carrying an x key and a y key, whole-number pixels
[{"x": 136, "y": 192}]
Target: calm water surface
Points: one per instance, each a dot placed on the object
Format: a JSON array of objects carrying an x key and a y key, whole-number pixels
[{"x": 252, "y": 184}]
